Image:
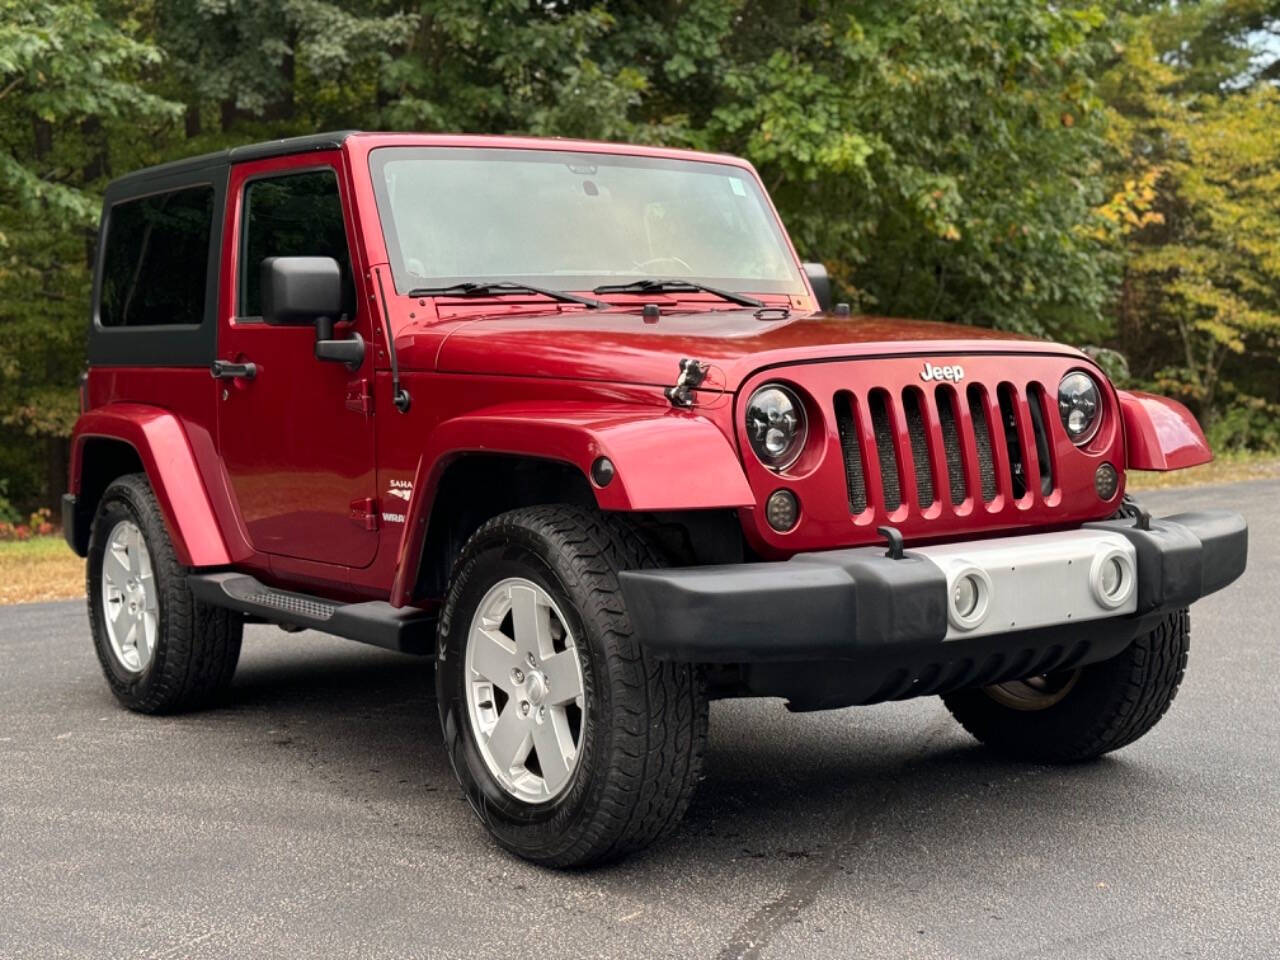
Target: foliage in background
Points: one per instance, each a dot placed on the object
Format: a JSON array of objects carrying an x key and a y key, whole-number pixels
[
  {"x": 69, "y": 89},
  {"x": 1197, "y": 139},
  {"x": 1101, "y": 173}
]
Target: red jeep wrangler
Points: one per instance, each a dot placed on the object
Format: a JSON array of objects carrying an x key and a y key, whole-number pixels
[{"x": 573, "y": 419}]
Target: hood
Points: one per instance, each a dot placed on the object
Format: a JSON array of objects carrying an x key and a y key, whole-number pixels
[{"x": 622, "y": 347}]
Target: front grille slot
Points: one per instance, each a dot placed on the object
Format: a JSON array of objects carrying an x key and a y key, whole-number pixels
[
  {"x": 854, "y": 479},
  {"x": 951, "y": 444},
  {"x": 919, "y": 446},
  {"x": 1009, "y": 419},
  {"x": 1036, "y": 404},
  {"x": 982, "y": 439},
  {"x": 882, "y": 424}
]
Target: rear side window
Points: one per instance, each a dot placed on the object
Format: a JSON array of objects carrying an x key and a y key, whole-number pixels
[
  {"x": 296, "y": 215},
  {"x": 156, "y": 261}
]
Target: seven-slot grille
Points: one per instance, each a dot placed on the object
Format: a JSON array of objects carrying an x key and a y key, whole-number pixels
[{"x": 926, "y": 444}]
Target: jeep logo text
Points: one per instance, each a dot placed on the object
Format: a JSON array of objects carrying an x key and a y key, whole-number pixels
[{"x": 932, "y": 372}]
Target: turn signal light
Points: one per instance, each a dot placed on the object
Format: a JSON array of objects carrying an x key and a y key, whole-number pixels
[{"x": 782, "y": 510}]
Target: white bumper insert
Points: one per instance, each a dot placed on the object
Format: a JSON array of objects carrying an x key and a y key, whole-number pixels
[{"x": 1019, "y": 583}]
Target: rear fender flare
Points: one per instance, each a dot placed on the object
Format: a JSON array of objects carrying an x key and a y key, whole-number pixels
[
  {"x": 1160, "y": 434},
  {"x": 164, "y": 449},
  {"x": 663, "y": 460}
]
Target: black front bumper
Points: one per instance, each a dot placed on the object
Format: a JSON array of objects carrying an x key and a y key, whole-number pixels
[{"x": 859, "y": 606}]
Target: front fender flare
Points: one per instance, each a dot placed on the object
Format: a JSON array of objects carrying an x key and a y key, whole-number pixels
[
  {"x": 663, "y": 460},
  {"x": 161, "y": 442},
  {"x": 1160, "y": 434}
]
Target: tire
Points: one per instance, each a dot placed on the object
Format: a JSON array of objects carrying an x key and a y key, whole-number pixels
[
  {"x": 641, "y": 723},
  {"x": 193, "y": 648},
  {"x": 1080, "y": 715}
]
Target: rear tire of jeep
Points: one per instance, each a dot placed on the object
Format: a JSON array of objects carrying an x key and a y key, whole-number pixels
[
  {"x": 1080, "y": 715},
  {"x": 161, "y": 650},
  {"x": 631, "y": 729}
]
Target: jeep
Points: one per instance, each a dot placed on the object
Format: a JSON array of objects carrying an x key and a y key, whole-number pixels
[{"x": 574, "y": 420}]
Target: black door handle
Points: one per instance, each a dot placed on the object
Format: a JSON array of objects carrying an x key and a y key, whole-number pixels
[{"x": 224, "y": 369}]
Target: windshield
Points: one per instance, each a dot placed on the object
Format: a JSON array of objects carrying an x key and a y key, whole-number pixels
[{"x": 574, "y": 221}]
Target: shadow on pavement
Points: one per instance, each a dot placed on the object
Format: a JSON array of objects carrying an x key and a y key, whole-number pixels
[{"x": 774, "y": 785}]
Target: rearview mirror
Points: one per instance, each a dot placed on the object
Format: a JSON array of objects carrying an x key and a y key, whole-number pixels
[
  {"x": 821, "y": 283},
  {"x": 299, "y": 290}
]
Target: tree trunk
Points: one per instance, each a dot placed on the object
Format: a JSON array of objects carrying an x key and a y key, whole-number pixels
[
  {"x": 43, "y": 131},
  {"x": 95, "y": 168}
]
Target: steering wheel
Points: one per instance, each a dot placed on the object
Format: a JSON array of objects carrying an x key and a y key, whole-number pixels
[{"x": 649, "y": 263}]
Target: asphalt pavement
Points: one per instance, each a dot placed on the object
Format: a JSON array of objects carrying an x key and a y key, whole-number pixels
[{"x": 315, "y": 815}]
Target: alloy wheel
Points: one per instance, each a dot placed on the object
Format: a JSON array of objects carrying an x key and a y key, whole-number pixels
[
  {"x": 130, "y": 601},
  {"x": 525, "y": 690},
  {"x": 1034, "y": 693}
]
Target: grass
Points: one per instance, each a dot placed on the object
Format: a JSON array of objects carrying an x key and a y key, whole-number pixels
[
  {"x": 42, "y": 568},
  {"x": 1227, "y": 468}
]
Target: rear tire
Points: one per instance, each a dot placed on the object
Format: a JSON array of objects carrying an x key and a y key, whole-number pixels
[
  {"x": 636, "y": 726},
  {"x": 1080, "y": 715},
  {"x": 161, "y": 650}
]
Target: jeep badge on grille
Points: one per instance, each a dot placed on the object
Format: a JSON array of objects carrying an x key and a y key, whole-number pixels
[{"x": 932, "y": 372}]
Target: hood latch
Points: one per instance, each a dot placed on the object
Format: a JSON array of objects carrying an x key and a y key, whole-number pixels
[{"x": 692, "y": 373}]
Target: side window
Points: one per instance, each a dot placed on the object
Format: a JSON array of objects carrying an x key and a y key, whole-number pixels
[
  {"x": 294, "y": 215},
  {"x": 156, "y": 260}
]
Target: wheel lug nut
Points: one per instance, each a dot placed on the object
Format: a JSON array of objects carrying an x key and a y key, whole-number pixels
[
  {"x": 531, "y": 660},
  {"x": 524, "y": 707},
  {"x": 517, "y": 675},
  {"x": 542, "y": 713}
]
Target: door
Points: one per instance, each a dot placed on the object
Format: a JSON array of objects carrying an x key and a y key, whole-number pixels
[{"x": 297, "y": 439}]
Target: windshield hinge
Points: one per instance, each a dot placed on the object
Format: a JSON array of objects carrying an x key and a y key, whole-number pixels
[{"x": 692, "y": 373}]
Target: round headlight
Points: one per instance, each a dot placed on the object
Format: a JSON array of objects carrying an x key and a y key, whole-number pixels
[
  {"x": 776, "y": 425},
  {"x": 1079, "y": 406}
]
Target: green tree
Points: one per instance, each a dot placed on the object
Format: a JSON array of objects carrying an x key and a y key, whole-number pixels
[
  {"x": 943, "y": 158},
  {"x": 1198, "y": 146},
  {"x": 69, "y": 80},
  {"x": 246, "y": 68}
]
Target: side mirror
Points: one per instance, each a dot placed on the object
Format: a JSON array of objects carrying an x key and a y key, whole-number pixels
[
  {"x": 298, "y": 290},
  {"x": 821, "y": 283}
]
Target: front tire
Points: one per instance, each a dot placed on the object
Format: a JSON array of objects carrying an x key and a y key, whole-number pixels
[
  {"x": 161, "y": 650},
  {"x": 1079, "y": 715},
  {"x": 571, "y": 743}
]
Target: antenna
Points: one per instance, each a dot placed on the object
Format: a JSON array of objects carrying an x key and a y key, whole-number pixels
[{"x": 399, "y": 396}]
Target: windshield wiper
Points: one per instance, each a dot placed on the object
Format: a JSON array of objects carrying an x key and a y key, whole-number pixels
[
  {"x": 472, "y": 289},
  {"x": 678, "y": 286}
]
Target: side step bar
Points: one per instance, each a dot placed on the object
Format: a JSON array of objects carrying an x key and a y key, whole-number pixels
[{"x": 408, "y": 629}]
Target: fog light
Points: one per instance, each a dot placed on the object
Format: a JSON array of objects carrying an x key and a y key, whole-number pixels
[
  {"x": 782, "y": 510},
  {"x": 968, "y": 599},
  {"x": 1106, "y": 481},
  {"x": 964, "y": 598},
  {"x": 1112, "y": 578}
]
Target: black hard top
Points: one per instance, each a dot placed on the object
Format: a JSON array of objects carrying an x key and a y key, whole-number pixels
[{"x": 250, "y": 151}]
